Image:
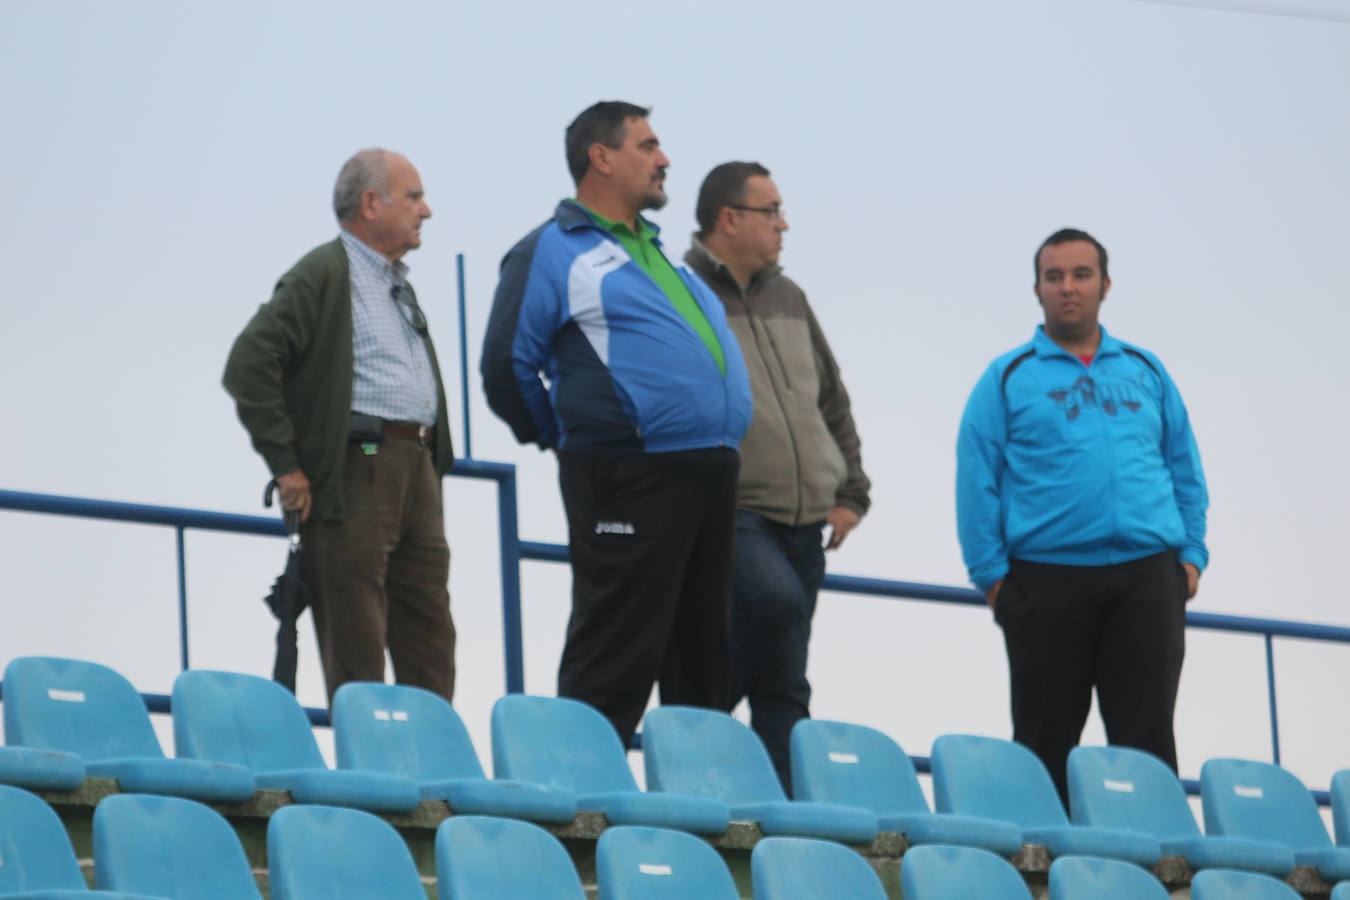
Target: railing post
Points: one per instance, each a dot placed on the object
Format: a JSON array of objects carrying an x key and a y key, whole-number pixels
[
  {"x": 182, "y": 600},
  {"x": 1270, "y": 689},
  {"x": 463, "y": 356},
  {"x": 510, "y": 549}
]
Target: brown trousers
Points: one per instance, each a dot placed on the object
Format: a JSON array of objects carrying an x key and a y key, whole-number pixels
[{"x": 379, "y": 577}]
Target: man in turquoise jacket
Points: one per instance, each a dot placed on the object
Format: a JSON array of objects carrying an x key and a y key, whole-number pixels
[{"x": 1081, "y": 509}]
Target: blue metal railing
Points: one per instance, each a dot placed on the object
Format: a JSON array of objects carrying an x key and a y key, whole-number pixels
[{"x": 513, "y": 550}]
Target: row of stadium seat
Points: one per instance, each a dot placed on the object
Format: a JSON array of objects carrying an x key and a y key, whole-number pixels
[
  {"x": 553, "y": 757},
  {"x": 962, "y": 873},
  {"x": 150, "y": 846}
]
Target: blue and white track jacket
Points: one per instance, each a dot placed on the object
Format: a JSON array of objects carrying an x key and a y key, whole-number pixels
[
  {"x": 1059, "y": 462},
  {"x": 624, "y": 370}
]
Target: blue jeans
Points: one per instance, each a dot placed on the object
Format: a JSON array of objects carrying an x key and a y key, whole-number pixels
[{"x": 778, "y": 571}]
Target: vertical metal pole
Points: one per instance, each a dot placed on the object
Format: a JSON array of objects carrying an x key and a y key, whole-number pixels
[
  {"x": 510, "y": 549},
  {"x": 1270, "y": 688},
  {"x": 182, "y": 601},
  {"x": 463, "y": 357}
]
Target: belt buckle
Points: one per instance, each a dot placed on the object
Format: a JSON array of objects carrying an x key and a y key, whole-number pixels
[{"x": 423, "y": 436}]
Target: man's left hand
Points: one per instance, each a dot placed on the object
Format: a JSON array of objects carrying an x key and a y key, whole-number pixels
[
  {"x": 1192, "y": 580},
  {"x": 841, "y": 520}
]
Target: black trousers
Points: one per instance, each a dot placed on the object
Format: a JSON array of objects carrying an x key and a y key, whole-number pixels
[
  {"x": 1121, "y": 629},
  {"x": 651, "y": 542}
]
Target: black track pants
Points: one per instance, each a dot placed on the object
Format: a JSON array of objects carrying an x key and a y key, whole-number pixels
[
  {"x": 1118, "y": 628},
  {"x": 651, "y": 542}
]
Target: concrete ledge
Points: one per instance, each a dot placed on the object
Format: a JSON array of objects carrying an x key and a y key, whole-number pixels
[{"x": 418, "y": 828}]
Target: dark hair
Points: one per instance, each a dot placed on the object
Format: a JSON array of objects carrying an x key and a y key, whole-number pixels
[
  {"x": 602, "y": 123},
  {"x": 724, "y": 186},
  {"x": 1065, "y": 236}
]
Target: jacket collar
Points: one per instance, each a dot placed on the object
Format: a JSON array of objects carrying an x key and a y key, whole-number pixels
[
  {"x": 702, "y": 260},
  {"x": 572, "y": 216},
  {"x": 1044, "y": 345}
]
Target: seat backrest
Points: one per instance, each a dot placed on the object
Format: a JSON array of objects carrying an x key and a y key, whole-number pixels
[
  {"x": 853, "y": 765},
  {"x": 1084, "y": 877},
  {"x": 707, "y": 753},
  {"x": 560, "y": 743},
  {"x": 937, "y": 872},
  {"x": 1224, "y": 884},
  {"x": 1247, "y": 799},
  {"x": 637, "y": 863},
  {"x": 479, "y": 856},
  {"x": 401, "y": 730},
  {"x": 785, "y": 868},
  {"x": 981, "y": 776},
  {"x": 168, "y": 847},
  {"x": 1116, "y": 787},
  {"x": 1340, "y": 806},
  {"x": 320, "y": 852},
  {"x": 1341, "y": 891},
  {"x": 35, "y": 851},
  {"x": 241, "y": 719},
  {"x": 78, "y": 707}
]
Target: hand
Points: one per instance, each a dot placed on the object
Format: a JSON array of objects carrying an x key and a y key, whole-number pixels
[
  {"x": 842, "y": 520},
  {"x": 1192, "y": 580},
  {"x": 991, "y": 595},
  {"x": 295, "y": 493}
]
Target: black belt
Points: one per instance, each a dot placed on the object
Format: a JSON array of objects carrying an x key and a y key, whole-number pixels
[{"x": 372, "y": 429}]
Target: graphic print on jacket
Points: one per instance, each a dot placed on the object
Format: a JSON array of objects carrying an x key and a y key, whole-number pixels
[{"x": 1085, "y": 394}]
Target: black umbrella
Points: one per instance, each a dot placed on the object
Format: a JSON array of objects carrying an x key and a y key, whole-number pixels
[{"x": 288, "y": 599}]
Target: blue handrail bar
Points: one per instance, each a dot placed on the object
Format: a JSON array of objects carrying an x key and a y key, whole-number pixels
[
  {"x": 513, "y": 550},
  {"x": 939, "y": 593}
]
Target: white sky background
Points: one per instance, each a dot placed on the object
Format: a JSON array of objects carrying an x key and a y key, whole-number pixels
[{"x": 161, "y": 164}]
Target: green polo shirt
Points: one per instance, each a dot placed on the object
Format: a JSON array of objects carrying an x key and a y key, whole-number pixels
[{"x": 642, "y": 249}]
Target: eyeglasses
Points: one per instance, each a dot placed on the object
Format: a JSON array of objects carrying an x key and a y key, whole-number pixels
[
  {"x": 775, "y": 211},
  {"x": 403, "y": 296}
]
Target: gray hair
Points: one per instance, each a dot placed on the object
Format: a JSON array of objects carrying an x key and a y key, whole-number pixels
[{"x": 368, "y": 170}]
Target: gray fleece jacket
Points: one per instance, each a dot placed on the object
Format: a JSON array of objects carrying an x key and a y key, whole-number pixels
[{"x": 801, "y": 456}]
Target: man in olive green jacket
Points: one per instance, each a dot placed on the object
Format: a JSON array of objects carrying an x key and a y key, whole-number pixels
[
  {"x": 801, "y": 460},
  {"x": 336, "y": 381}
]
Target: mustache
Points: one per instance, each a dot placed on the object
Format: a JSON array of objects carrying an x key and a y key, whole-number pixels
[{"x": 660, "y": 175}]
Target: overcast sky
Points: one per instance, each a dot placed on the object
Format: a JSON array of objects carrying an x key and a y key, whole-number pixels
[{"x": 162, "y": 164}]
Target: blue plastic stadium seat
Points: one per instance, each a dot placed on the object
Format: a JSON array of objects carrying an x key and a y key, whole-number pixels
[
  {"x": 786, "y": 868},
  {"x": 256, "y": 723},
  {"x": 93, "y": 712},
  {"x": 1263, "y": 802},
  {"x": 568, "y": 745},
  {"x": 980, "y": 776},
  {"x": 1089, "y": 878},
  {"x": 934, "y": 872},
  {"x": 638, "y": 863},
  {"x": 36, "y": 859},
  {"x": 170, "y": 847},
  {"x": 321, "y": 852},
  {"x": 411, "y": 732},
  {"x": 1116, "y": 787},
  {"x": 1341, "y": 891},
  {"x": 853, "y": 765},
  {"x": 703, "y": 752},
  {"x": 1222, "y": 884},
  {"x": 41, "y": 770},
  {"x": 1340, "y": 806},
  {"x": 479, "y": 857}
]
